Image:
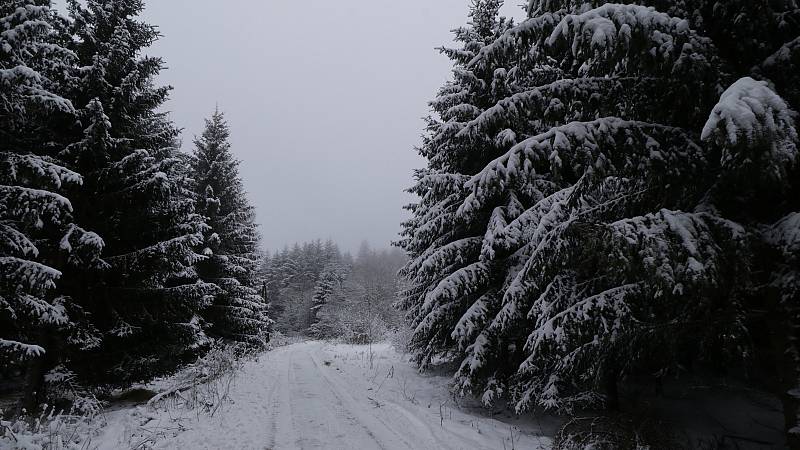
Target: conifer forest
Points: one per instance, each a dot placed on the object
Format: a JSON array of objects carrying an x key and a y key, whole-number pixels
[{"x": 461, "y": 224}]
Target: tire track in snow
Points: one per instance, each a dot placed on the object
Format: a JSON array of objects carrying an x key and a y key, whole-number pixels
[
  {"x": 343, "y": 397},
  {"x": 272, "y": 398},
  {"x": 414, "y": 422},
  {"x": 289, "y": 400},
  {"x": 333, "y": 403},
  {"x": 426, "y": 434}
]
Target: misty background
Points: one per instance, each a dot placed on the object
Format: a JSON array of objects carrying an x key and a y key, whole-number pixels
[{"x": 325, "y": 102}]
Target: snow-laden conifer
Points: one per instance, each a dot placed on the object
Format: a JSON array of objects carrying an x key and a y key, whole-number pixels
[
  {"x": 231, "y": 240},
  {"x": 593, "y": 220},
  {"x": 39, "y": 238},
  {"x": 138, "y": 196},
  {"x": 440, "y": 243}
]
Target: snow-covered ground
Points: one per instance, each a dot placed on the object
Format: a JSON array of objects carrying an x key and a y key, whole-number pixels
[{"x": 313, "y": 395}]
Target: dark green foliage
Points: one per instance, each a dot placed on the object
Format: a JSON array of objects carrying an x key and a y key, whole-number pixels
[
  {"x": 597, "y": 198},
  {"x": 39, "y": 236},
  {"x": 231, "y": 240},
  {"x": 84, "y": 146},
  {"x": 293, "y": 277},
  {"x": 137, "y": 195}
]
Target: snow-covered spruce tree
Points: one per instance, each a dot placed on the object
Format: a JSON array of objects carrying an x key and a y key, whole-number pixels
[
  {"x": 231, "y": 241},
  {"x": 299, "y": 275},
  {"x": 604, "y": 137},
  {"x": 615, "y": 237},
  {"x": 292, "y": 277},
  {"x": 355, "y": 302},
  {"x": 271, "y": 275},
  {"x": 330, "y": 281},
  {"x": 137, "y": 195},
  {"x": 438, "y": 241},
  {"x": 38, "y": 234}
]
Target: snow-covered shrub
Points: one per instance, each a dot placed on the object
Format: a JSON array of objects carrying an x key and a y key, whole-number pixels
[
  {"x": 400, "y": 338},
  {"x": 360, "y": 326},
  {"x": 617, "y": 433},
  {"x": 62, "y": 387},
  {"x": 278, "y": 339},
  {"x": 49, "y": 431},
  {"x": 205, "y": 385}
]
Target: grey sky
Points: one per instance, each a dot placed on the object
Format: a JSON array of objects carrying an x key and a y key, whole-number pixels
[{"x": 324, "y": 100}]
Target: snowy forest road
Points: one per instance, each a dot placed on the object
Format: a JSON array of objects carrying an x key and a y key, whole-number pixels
[{"x": 315, "y": 395}]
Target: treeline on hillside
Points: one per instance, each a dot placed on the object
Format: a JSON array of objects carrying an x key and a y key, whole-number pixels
[
  {"x": 120, "y": 256},
  {"x": 612, "y": 192},
  {"x": 316, "y": 290}
]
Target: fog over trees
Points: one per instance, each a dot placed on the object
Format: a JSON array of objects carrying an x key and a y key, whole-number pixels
[{"x": 316, "y": 289}]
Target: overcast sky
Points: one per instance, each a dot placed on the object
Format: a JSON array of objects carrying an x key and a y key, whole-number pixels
[{"x": 324, "y": 100}]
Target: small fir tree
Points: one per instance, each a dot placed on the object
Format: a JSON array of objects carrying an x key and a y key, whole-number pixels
[{"x": 231, "y": 241}]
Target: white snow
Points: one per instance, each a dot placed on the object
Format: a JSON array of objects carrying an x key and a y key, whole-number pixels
[
  {"x": 314, "y": 395},
  {"x": 785, "y": 234},
  {"x": 29, "y": 350},
  {"x": 749, "y": 110}
]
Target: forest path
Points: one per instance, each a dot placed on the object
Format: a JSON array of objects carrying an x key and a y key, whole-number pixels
[{"x": 315, "y": 395}]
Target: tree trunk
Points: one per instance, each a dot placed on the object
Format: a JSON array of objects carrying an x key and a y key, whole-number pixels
[
  {"x": 785, "y": 337},
  {"x": 35, "y": 369},
  {"x": 612, "y": 390},
  {"x": 34, "y": 385},
  {"x": 790, "y": 382},
  {"x": 791, "y": 413}
]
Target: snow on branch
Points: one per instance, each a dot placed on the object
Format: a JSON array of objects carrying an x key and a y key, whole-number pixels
[
  {"x": 749, "y": 112},
  {"x": 14, "y": 242},
  {"x": 610, "y": 145},
  {"x": 42, "y": 311},
  {"x": 751, "y": 122},
  {"x": 552, "y": 244},
  {"x": 26, "y": 350},
  {"x": 613, "y": 27},
  {"x": 608, "y": 307},
  {"x": 677, "y": 246},
  {"x": 785, "y": 234},
  {"x": 32, "y": 275},
  {"x": 618, "y": 39},
  {"x": 34, "y": 205},
  {"x": 474, "y": 319},
  {"x": 529, "y": 226},
  {"x": 548, "y": 101},
  {"x": 512, "y": 39},
  {"x": 460, "y": 283},
  {"x": 456, "y": 252},
  {"x": 23, "y": 169},
  {"x": 178, "y": 245}
]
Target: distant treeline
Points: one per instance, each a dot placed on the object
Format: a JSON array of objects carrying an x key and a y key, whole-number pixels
[{"x": 316, "y": 290}]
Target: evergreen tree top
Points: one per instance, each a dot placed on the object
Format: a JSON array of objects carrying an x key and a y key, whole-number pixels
[{"x": 216, "y": 133}]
